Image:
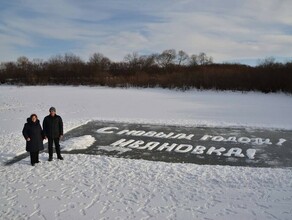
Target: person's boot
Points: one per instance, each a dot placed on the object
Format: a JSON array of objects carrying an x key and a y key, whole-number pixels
[
  {"x": 32, "y": 158},
  {"x": 58, "y": 151},
  {"x": 50, "y": 149},
  {"x": 37, "y": 157}
]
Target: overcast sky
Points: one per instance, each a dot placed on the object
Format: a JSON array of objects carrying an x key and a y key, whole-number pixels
[{"x": 227, "y": 30}]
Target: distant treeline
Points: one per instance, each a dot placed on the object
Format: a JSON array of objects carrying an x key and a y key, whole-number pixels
[{"x": 169, "y": 69}]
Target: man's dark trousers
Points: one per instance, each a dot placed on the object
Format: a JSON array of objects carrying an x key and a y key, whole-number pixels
[{"x": 57, "y": 146}]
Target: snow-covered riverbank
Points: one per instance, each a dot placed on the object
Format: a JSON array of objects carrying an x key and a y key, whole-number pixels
[{"x": 96, "y": 187}]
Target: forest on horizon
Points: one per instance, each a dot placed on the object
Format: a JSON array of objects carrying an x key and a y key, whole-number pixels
[{"x": 168, "y": 69}]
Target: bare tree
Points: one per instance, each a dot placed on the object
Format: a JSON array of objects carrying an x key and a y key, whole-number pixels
[
  {"x": 24, "y": 64},
  {"x": 70, "y": 58},
  {"x": 98, "y": 59},
  {"x": 22, "y": 61},
  {"x": 182, "y": 57},
  {"x": 203, "y": 59},
  {"x": 37, "y": 61},
  {"x": 268, "y": 61},
  {"x": 147, "y": 61},
  {"x": 166, "y": 58},
  {"x": 194, "y": 60},
  {"x": 132, "y": 59},
  {"x": 57, "y": 59}
]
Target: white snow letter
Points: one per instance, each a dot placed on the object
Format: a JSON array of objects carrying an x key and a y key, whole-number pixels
[
  {"x": 184, "y": 136},
  {"x": 166, "y": 146},
  {"x": 149, "y": 146},
  {"x": 218, "y": 152},
  {"x": 205, "y": 137},
  {"x": 183, "y": 148},
  {"x": 244, "y": 140},
  {"x": 136, "y": 144},
  {"x": 138, "y": 133},
  {"x": 234, "y": 151},
  {"x": 199, "y": 150},
  {"x": 231, "y": 139},
  {"x": 122, "y": 143},
  {"x": 218, "y": 138},
  {"x": 107, "y": 130},
  {"x": 260, "y": 141},
  {"x": 150, "y": 134},
  {"x": 163, "y": 135}
]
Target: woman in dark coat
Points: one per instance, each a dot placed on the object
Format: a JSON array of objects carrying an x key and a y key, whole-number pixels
[{"x": 34, "y": 136}]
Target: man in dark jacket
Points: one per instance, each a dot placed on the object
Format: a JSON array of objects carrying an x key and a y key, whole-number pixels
[
  {"x": 53, "y": 131},
  {"x": 33, "y": 134}
]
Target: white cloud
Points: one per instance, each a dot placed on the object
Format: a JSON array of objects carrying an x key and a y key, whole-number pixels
[{"x": 224, "y": 29}]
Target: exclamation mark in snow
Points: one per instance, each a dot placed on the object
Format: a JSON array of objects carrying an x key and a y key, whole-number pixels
[
  {"x": 281, "y": 141},
  {"x": 250, "y": 153}
]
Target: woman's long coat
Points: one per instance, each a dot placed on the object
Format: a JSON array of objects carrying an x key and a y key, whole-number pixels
[{"x": 33, "y": 130}]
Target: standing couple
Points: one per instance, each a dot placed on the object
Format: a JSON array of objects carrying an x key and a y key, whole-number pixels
[{"x": 34, "y": 135}]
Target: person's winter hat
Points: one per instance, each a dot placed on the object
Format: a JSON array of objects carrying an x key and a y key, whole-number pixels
[{"x": 52, "y": 109}]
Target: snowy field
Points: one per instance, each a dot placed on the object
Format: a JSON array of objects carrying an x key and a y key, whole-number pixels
[{"x": 98, "y": 187}]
